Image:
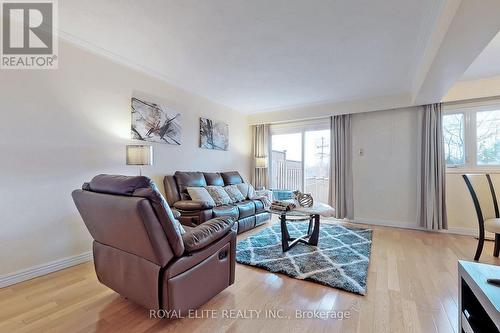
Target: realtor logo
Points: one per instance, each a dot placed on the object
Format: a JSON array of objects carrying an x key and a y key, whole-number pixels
[{"x": 29, "y": 34}]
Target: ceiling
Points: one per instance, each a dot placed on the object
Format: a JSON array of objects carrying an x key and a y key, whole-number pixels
[
  {"x": 487, "y": 64},
  {"x": 265, "y": 55}
]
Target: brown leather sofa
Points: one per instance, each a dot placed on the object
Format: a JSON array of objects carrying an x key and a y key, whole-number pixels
[
  {"x": 248, "y": 213},
  {"x": 140, "y": 253}
]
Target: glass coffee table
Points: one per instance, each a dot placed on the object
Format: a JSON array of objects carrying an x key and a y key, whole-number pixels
[{"x": 311, "y": 214}]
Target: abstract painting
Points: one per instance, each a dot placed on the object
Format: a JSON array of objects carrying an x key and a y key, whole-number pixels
[
  {"x": 155, "y": 123},
  {"x": 213, "y": 135}
]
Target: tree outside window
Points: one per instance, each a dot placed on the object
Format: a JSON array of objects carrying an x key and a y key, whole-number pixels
[{"x": 453, "y": 139}]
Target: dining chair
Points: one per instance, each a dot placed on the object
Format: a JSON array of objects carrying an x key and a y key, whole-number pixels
[{"x": 485, "y": 202}]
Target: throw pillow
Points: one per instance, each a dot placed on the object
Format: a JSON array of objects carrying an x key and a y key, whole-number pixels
[
  {"x": 251, "y": 192},
  {"x": 177, "y": 225},
  {"x": 200, "y": 194},
  {"x": 219, "y": 195},
  {"x": 234, "y": 193},
  {"x": 243, "y": 187},
  {"x": 265, "y": 196},
  {"x": 257, "y": 195},
  {"x": 247, "y": 190}
]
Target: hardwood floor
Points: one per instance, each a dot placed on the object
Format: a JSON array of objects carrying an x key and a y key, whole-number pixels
[{"x": 412, "y": 287}]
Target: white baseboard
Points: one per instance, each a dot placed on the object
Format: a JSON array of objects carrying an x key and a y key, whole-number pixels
[
  {"x": 388, "y": 223},
  {"x": 461, "y": 231},
  {"x": 36, "y": 271},
  {"x": 469, "y": 232},
  {"x": 405, "y": 225}
]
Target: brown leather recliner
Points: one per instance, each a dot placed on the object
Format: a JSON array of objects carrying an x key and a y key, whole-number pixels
[{"x": 140, "y": 253}]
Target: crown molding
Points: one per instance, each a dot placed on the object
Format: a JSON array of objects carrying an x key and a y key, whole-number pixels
[{"x": 123, "y": 61}]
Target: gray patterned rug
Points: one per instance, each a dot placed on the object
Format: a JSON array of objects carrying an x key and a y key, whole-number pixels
[{"x": 340, "y": 260}]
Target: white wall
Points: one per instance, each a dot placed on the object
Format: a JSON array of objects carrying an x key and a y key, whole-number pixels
[
  {"x": 471, "y": 89},
  {"x": 322, "y": 110},
  {"x": 385, "y": 177},
  {"x": 461, "y": 212},
  {"x": 60, "y": 127}
]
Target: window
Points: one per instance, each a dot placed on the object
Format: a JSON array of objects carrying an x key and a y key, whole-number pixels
[
  {"x": 471, "y": 138},
  {"x": 488, "y": 137},
  {"x": 300, "y": 159},
  {"x": 453, "y": 137},
  {"x": 317, "y": 164}
]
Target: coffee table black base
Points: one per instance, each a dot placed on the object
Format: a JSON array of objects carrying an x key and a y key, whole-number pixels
[{"x": 311, "y": 238}]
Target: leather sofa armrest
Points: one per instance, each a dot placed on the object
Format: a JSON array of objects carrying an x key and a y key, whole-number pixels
[
  {"x": 176, "y": 213},
  {"x": 192, "y": 205},
  {"x": 206, "y": 233}
]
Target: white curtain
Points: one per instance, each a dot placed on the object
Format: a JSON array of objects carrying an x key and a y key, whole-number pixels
[
  {"x": 431, "y": 196},
  {"x": 261, "y": 150},
  {"x": 341, "y": 193}
]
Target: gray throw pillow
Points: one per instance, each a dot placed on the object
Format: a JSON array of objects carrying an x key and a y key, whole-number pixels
[
  {"x": 219, "y": 195},
  {"x": 200, "y": 194},
  {"x": 251, "y": 192},
  {"x": 243, "y": 187},
  {"x": 234, "y": 193}
]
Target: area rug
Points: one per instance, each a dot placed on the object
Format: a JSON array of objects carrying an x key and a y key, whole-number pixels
[{"x": 340, "y": 260}]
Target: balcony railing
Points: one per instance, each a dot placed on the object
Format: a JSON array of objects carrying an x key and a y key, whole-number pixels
[
  {"x": 318, "y": 187},
  {"x": 287, "y": 175}
]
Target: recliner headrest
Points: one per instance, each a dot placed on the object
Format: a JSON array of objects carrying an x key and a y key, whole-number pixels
[
  {"x": 141, "y": 186},
  {"x": 117, "y": 184}
]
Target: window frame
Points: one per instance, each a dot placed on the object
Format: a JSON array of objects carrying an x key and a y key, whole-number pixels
[
  {"x": 297, "y": 127},
  {"x": 466, "y": 141},
  {"x": 470, "y": 110}
]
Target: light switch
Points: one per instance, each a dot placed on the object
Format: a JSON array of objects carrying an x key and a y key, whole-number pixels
[{"x": 361, "y": 152}]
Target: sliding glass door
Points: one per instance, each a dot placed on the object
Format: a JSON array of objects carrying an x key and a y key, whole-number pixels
[
  {"x": 286, "y": 162},
  {"x": 300, "y": 159},
  {"x": 317, "y": 164}
]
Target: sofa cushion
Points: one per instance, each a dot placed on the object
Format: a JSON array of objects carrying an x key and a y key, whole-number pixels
[
  {"x": 200, "y": 194},
  {"x": 262, "y": 218},
  {"x": 213, "y": 178},
  {"x": 190, "y": 205},
  {"x": 188, "y": 179},
  {"x": 246, "y": 208},
  {"x": 219, "y": 196},
  {"x": 259, "y": 206},
  {"x": 246, "y": 223},
  {"x": 234, "y": 193},
  {"x": 226, "y": 210},
  {"x": 206, "y": 233},
  {"x": 231, "y": 178}
]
